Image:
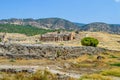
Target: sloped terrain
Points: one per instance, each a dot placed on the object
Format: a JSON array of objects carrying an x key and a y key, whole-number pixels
[
  {"x": 78, "y": 66},
  {"x": 45, "y": 23},
  {"x": 59, "y": 23},
  {"x": 101, "y": 27},
  {"x": 108, "y": 41}
]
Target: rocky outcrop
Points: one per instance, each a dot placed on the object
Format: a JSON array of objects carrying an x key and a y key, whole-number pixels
[{"x": 39, "y": 51}]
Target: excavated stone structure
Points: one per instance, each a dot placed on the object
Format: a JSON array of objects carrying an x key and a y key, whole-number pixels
[{"x": 58, "y": 36}]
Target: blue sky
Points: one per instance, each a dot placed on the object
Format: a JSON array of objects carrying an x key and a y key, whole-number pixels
[{"x": 83, "y": 11}]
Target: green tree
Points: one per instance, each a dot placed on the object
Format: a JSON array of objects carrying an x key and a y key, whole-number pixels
[{"x": 89, "y": 41}]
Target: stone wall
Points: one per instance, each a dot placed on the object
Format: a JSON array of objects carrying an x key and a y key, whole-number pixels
[{"x": 40, "y": 51}]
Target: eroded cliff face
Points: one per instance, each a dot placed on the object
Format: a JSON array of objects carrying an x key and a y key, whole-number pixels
[{"x": 39, "y": 51}]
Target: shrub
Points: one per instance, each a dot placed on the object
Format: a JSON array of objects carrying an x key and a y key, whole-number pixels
[
  {"x": 77, "y": 32},
  {"x": 89, "y": 41},
  {"x": 12, "y": 60}
]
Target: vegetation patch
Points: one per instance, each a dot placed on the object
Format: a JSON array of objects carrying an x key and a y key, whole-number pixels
[
  {"x": 115, "y": 64},
  {"x": 27, "y": 30},
  {"x": 112, "y": 56},
  {"x": 61, "y": 44},
  {"x": 111, "y": 72},
  {"x": 39, "y": 75},
  {"x": 12, "y": 60},
  {"x": 94, "y": 77},
  {"x": 83, "y": 65}
]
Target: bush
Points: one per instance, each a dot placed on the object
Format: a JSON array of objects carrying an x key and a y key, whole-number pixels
[
  {"x": 89, "y": 41},
  {"x": 77, "y": 32},
  {"x": 12, "y": 60}
]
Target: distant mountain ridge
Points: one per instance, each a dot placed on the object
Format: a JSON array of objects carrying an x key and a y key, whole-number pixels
[
  {"x": 46, "y": 23},
  {"x": 58, "y": 23},
  {"x": 102, "y": 27}
]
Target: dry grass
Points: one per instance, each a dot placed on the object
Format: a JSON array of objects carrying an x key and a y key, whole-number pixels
[
  {"x": 112, "y": 72},
  {"x": 85, "y": 61},
  {"x": 94, "y": 77},
  {"x": 90, "y": 63},
  {"x": 4, "y": 61},
  {"x": 39, "y": 75},
  {"x": 108, "y": 41}
]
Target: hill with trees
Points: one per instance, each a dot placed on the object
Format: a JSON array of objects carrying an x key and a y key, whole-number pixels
[
  {"x": 101, "y": 27},
  {"x": 59, "y": 23},
  {"x": 45, "y": 23},
  {"x": 27, "y": 30}
]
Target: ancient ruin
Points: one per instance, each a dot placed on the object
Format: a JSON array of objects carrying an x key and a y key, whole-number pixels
[{"x": 62, "y": 36}]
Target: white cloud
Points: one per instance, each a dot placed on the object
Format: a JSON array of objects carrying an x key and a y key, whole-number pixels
[{"x": 117, "y": 1}]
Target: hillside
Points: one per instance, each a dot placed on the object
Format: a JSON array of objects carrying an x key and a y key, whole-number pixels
[
  {"x": 59, "y": 23},
  {"x": 46, "y": 23},
  {"x": 27, "y": 30},
  {"x": 101, "y": 27}
]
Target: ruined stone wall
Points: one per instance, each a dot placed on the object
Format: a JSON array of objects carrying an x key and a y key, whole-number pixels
[
  {"x": 72, "y": 36},
  {"x": 45, "y": 51},
  {"x": 58, "y": 37}
]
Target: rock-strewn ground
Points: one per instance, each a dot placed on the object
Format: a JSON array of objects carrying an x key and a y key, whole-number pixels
[{"x": 39, "y": 51}]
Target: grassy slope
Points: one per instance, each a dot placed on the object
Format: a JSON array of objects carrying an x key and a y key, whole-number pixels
[{"x": 27, "y": 30}]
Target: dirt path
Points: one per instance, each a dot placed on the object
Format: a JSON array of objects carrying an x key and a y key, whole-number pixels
[
  {"x": 73, "y": 75},
  {"x": 52, "y": 69}
]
